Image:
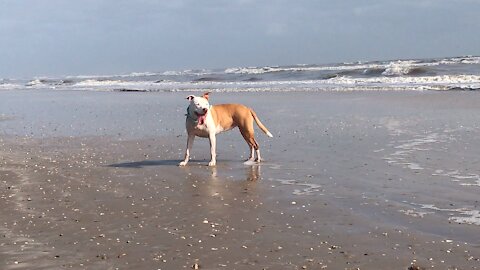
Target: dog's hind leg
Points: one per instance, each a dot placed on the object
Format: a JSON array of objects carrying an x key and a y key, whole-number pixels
[
  {"x": 248, "y": 134},
  {"x": 252, "y": 153},
  {"x": 259, "y": 158}
]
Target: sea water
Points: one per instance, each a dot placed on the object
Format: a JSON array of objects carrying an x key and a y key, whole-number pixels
[{"x": 453, "y": 73}]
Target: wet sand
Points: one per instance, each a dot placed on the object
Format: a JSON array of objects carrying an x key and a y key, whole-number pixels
[{"x": 368, "y": 180}]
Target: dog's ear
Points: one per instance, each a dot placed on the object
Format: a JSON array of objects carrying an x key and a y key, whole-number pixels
[
  {"x": 190, "y": 97},
  {"x": 205, "y": 95}
]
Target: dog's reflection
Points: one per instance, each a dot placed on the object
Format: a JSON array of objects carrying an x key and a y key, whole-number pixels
[{"x": 252, "y": 173}]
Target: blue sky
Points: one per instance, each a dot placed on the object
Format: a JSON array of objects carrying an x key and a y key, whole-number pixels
[{"x": 64, "y": 37}]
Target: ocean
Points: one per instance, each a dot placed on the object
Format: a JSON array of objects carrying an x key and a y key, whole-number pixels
[{"x": 453, "y": 73}]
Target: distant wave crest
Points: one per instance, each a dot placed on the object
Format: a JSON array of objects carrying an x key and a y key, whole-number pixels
[
  {"x": 400, "y": 68},
  {"x": 453, "y": 73}
]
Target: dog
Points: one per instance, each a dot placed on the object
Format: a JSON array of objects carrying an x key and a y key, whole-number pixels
[{"x": 205, "y": 120}]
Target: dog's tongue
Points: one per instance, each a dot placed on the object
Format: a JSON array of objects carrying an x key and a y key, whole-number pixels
[{"x": 201, "y": 119}]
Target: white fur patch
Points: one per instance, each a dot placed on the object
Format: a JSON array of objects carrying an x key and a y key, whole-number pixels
[
  {"x": 199, "y": 103},
  {"x": 219, "y": 129}
]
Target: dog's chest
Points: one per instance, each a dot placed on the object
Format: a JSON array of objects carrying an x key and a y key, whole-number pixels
[
  {"x": 201, "y": 130},
  {"x": 204, "y": 129}
]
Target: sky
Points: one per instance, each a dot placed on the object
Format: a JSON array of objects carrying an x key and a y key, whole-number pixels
[{"x": 103, "y": 37}]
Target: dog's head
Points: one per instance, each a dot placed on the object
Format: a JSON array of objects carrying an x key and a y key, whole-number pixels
[{"x": 199, "y": 106}]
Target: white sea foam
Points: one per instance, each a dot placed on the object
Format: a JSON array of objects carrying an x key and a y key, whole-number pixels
[
  {"x": 434, "y": 82},
  {"x": 10, "y": 86},
  {"x": 398, "y": 68},
  {"x": 469, "y": 60},
  {"x": 414, "y": 75},
  {"x": 35, "y": 82},
  {"x": 334, "y": 84},
  {"x": 115, "y": 85},
  {"x": 307, "y": 190},
  {"x": 406, "y": 150},
  {"x": 413, "y": 166},
  {"x": 444, "y": 82},
  {"x": 201, "y": 72},
  {"x": 140, "y": 74},
  {"x": 471, "y": 179},
  {"x": 460, "y": 215},
  {"x": 93, "y": 82},
  {"x": 468, "y": 217},
  {"x": 83, "y": 77},
  {"x": 130, "y": 75},
  {"x": 414, "y": 213},
  {"x": 299, "y": 68},
  {"x": 173, "y": 73}
]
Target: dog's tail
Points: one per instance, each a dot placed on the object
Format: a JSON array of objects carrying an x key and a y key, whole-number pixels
[{"x": 260, "y": 125}]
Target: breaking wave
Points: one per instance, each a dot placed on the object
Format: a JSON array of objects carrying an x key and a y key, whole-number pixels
[{"x": 454, "y": 73}]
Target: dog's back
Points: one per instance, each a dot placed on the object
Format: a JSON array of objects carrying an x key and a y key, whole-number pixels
[{"x": 228, "y": 115}]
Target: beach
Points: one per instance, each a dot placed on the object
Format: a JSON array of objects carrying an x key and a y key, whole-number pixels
[{"x": 351, "y": 180}]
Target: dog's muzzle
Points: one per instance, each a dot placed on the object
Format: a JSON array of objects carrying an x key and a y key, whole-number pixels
[{"x": 201, "y": 117}]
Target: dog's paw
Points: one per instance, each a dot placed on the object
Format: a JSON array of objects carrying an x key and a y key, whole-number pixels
[
  {"x": 183, "y": 163},
  {"x": 249, "y": 162},
  {"x": 212, "y": 163}
]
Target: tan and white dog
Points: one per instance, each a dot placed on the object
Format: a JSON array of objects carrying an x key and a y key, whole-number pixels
[{"x": 205, "y": 120}]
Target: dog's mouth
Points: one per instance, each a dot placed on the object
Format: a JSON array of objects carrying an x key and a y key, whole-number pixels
[{"x": 201, "y": 117}]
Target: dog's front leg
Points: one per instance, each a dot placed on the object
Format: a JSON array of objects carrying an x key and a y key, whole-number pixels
[
  {"x": 190, "y": 140},
  {"x": 213, "y": 146}
]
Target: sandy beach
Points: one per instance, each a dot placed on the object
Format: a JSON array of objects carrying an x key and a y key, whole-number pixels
[{"x": 352, "y": 180}]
